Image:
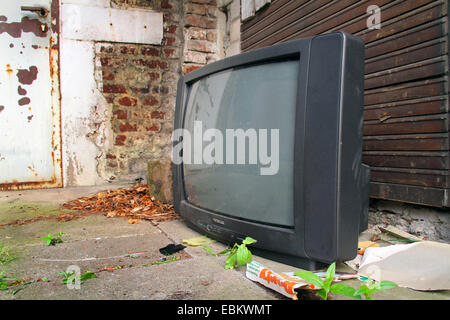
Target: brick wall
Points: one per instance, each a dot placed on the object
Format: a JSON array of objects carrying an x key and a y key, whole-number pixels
[
  {"x": 200, "y": 34},
  {"x": 139, "y": 83}
]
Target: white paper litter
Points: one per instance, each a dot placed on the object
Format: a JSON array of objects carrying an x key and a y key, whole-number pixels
[
  {"x": 420, "y": 265},
  {"x": 285, "y": 282}
]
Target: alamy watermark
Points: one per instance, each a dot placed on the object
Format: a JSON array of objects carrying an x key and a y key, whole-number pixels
[
  {"x": 189, "y": 148},
  {"x": 374, "y": 19},
  {"x": 73, "y": 280}
]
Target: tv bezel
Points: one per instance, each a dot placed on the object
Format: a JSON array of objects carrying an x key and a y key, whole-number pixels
[{"x": 285, "y": 244}]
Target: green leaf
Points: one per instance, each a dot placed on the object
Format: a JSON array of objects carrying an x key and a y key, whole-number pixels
[
  {"x": 248, "y": 240},
  {"x": 344, "y": 290},
  {"x": 70, "y": 278},
  {"x": 384, "y": 285},
  {"x": 242, "y": 255},
  {"x": 323, "y": 294},
  {"x": 221, "y": 253},
  {"x": 231, "y": 261},
  {"x": 363, "y": 290},
  {"x": 87, "y": 275},
  {"x": 330, "y": 276},
  {"x": 249, "y": 257},
  {"x": 209, "y": 250},
  {"x": 310, "y": 277}
]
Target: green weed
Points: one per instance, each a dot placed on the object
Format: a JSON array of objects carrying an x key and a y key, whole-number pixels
[
  {"x": 239, "y": 255},
  {"x": 325, "y": 287},
  {"x": 51, "y": 240}
]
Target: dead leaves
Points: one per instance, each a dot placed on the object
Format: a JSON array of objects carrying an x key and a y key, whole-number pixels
[{"x": 133, "y": 203}]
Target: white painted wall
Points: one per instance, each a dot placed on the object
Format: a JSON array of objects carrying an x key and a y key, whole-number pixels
[
  {"x": 250, "y": 7},
  {"x": 80, "y": 97},
  {"x": 85, "y": 115}
]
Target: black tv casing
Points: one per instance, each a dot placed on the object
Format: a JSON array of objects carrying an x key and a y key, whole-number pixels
[{"x": 330, "y": 183}]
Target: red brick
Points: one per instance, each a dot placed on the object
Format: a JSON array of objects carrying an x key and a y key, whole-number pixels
[
  {"x": 107, "y": 75},
  {"x": 128, "y": 50},
  {"x": 190, "y": 67},
  {"x": 195, "y": 8},
  {"x": 120, "y": 114},
  {"x": 108, "y": 49},
  {"x": 166, "y": 5},
  {"x": 154, "y": 75},
  {"x": 201, "y": 45},
  {"x": 114, "y": 88},
  {"x": 150, "y": 51},
  {"x": 169, "y": 41},
  {"x": 170, "y": 53},
  {"x": 164, "y": 65},
  {"x": 158, "y": 115},
  {"x": 128, "y": 101},
  {"x": 211, "y": 35},
  {"x": 154, "y": 128},
  {"x": 150, "y": 101},
  {"x": 120, "y": 140},
  {"x": 109, "y": 99},
  {"x": 127, "y": 127},
  {"x": 111, "y": 62},
  {"x": 199, "y": 21},
  {"x": 171, "y": 29},
  {"x": 112, "y": 164},
  {"x": 152, "y": 64}
]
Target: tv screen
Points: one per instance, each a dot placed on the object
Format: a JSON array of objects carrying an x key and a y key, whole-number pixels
[
  {"x": 268, "y": 144},
  {"x": 222, "y": 101}
]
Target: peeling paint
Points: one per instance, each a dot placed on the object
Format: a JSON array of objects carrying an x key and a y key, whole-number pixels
[
  {"x": 21, "y": 91},
  {"x": 24, "y": 101},
  {"x": 27, "y": 76},
  {"x": 15, "y": 29},
  {"x": 29, "y": 35}
]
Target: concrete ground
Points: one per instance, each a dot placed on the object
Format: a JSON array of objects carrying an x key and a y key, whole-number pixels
[{"x": 121, "y": 255}]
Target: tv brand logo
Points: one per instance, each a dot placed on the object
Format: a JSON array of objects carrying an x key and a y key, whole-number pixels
[{"x": 213, "y": 153}]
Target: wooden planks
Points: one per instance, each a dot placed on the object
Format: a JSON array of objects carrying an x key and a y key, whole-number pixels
[{"x": 407, "y": 159}]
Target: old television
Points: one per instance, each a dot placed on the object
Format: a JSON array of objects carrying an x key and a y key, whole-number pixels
[{"x": 268, "y": 144}]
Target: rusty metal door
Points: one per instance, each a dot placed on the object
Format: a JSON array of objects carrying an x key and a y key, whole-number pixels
[{"x": 30, "y": 148}]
